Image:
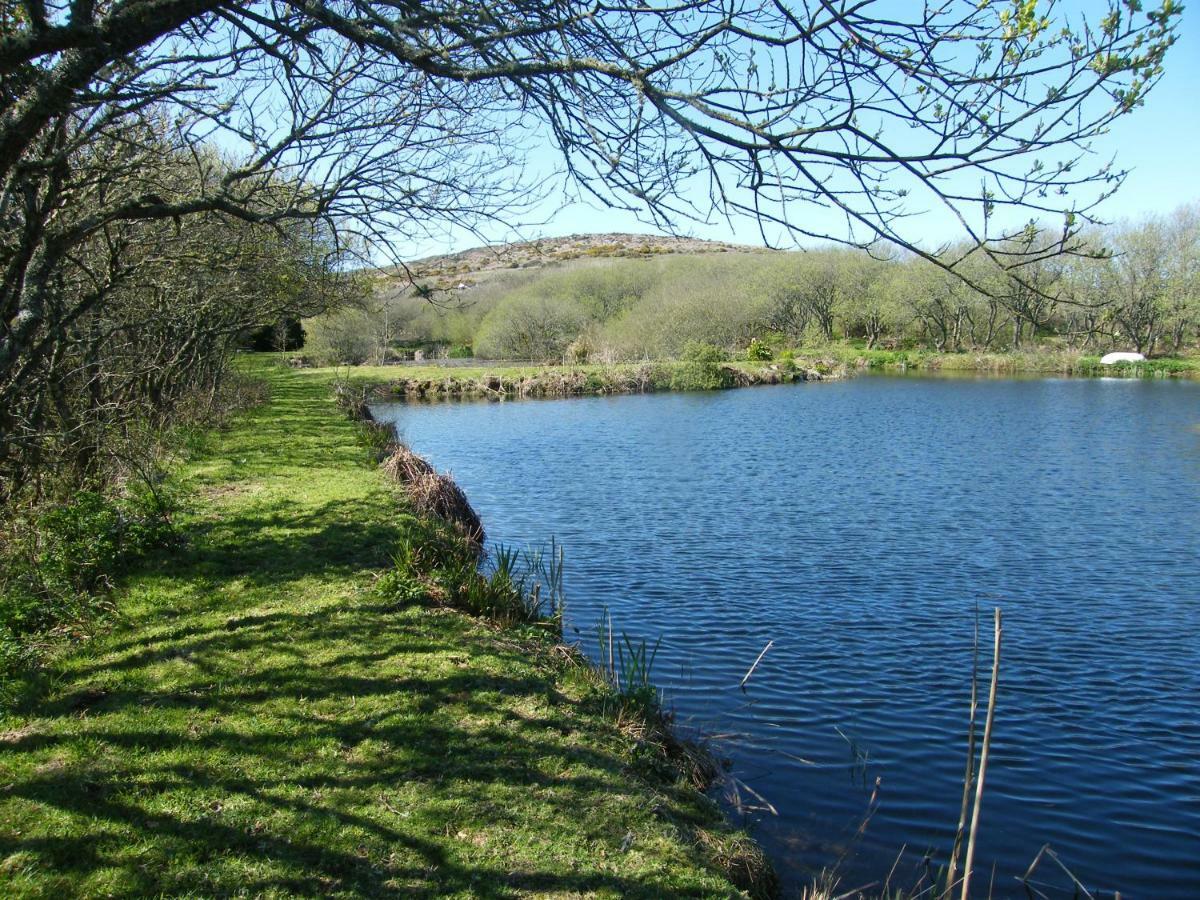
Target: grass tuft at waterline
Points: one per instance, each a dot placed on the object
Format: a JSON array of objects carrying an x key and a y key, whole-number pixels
[{"x": 266, "y": 714}]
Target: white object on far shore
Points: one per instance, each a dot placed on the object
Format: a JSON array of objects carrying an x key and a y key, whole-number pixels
[{"x": 1109, "y": 358}]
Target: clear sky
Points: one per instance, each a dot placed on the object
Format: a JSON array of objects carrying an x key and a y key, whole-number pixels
[{"x": 1159, "y": 142}]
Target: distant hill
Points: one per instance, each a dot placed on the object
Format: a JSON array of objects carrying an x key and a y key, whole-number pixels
[{"x": 468, "y": 266}]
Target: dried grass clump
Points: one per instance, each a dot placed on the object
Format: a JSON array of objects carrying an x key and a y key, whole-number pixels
[
  {"x": 695, "y": 760},
  {"x": 438, "y": 495},
  {"x": 735, "y": 377},
  {"x": 404, "y": 466},
  {"x": 433, "y": 493},
  {"x": 741, "y": 859},
  {"x": 353, "y": 401}
]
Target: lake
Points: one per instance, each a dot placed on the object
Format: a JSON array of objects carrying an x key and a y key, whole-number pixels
[{"x": 859, "y": 525}]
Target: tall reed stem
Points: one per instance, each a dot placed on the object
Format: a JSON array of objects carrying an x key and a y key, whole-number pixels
[
  {"x": 969, "y": 775},
  {"x": 983, "y": 760}
]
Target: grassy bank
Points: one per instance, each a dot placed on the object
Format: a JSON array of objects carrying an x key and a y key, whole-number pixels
[
  {"x": 262, "y": 717},
  {"x": 509, "y": 381},
  {"x": 520, "y": 382},
  {"x": 1033, "y": 362}
]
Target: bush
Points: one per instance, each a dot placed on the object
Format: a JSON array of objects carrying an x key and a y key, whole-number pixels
[
  {"x": 529, "y": 327},
  {"x": 700, "y": 369},
  {"x": 58, "y": 564},
  {"x": 758, "y": 351},
  {"x": 342, "y": 337}
]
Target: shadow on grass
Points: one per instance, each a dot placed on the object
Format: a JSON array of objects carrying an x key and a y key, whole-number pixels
[
  {"x": 288, "y": 541},
  {"x": 290, "y": 766},
  {"x": 261, "y": 724}
]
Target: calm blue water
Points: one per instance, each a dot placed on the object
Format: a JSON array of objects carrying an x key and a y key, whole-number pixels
[{"x": 858, "y": 524}]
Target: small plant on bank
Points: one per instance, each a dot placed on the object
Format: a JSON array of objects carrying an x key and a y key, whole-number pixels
[
  {"x": 627, "y": 666},
  {"x": 758, "y": 351}
]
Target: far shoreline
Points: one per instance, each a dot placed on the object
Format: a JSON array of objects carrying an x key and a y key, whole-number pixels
[{"x": 500, "y": 380}]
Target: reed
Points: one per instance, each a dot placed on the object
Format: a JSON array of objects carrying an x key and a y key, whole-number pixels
[
  {"x": 968, "y": 867},
  {"x": 627, "y": 666},
  {"x": 969, "y": 775},
  {"x": 533, "y": 579},
  {"x": 931, "y": 885}
]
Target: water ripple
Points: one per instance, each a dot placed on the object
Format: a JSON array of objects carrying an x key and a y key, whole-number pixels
[{"x": 859, "y": 525}]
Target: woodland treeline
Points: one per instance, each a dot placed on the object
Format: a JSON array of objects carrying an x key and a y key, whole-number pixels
[
  {"x": 1134, "y": 286},
  {"x": 147, "y": 316},
  {"x": 131, "y": 359}
]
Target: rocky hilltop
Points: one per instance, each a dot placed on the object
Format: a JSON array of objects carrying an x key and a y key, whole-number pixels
[{"x": 469, "y": 265}]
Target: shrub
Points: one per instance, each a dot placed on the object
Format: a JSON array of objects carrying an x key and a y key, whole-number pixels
[
  {"x": 700, "y": 368},
  {"x": 58, "y": 564},
  {"x": 758, "y": 351},
  {"x": 579, "y": 350},
  {"x": 342, "y": 337},
  {"x": 526, "y": 326}
]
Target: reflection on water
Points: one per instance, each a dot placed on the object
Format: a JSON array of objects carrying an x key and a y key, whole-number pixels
[{"x": 858, "y": 525}]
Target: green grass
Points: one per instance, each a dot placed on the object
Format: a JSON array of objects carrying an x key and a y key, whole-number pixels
[
  {"x": 830, "y": 361},
  {"x": 1042, "y": 361},
  {"x": 496, "y": 382},
  {"x": 259, "y": 719}
]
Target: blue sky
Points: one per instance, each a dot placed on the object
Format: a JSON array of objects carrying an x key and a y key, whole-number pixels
[{"x": 1159, "y": 142}]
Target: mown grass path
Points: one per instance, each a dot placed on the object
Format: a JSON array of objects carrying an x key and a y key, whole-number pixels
[{"x": 257, "y": 721}]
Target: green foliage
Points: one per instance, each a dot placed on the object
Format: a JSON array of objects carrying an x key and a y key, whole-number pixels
[
  {"x": 1149, "y": 368},
  {"x": 460, "y": 351},
  {"x": 700, "y": 369},
  {"x": 342, "y": 337},
  {"x": 758, "y": 351},
  {"x": 58, "y": 565},
  {"x": 1140, "y": 290},
  {"x": 700, "y": 352},
  {"x": 529, "y": 326},
  {"x": 80, "y": 543},
  {"x": 377, "y": 437},
  {"x": 435, "y": 562}
]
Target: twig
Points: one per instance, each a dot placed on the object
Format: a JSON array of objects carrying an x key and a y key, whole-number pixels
[
  {"x": 766, "y": 804},
  {"x": 750, "y": 671},
  {"x": 1070, "y": 874},
  {"x": 872, "y": 807},
  {"x": 1033, "y": 865}
]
